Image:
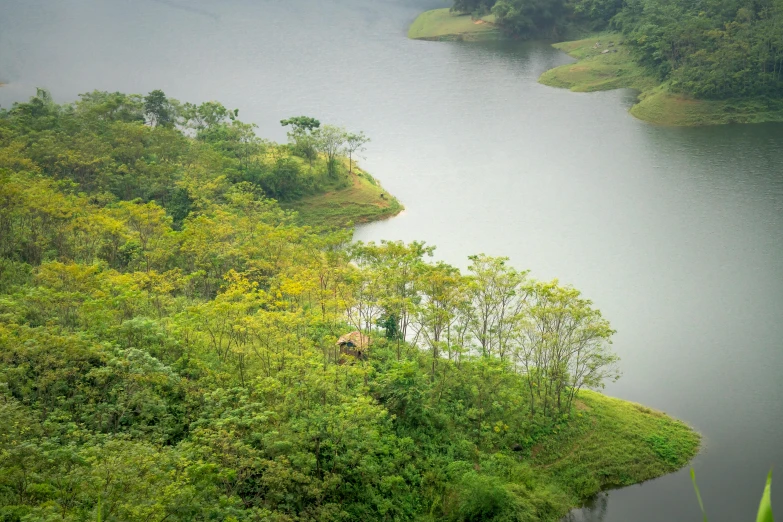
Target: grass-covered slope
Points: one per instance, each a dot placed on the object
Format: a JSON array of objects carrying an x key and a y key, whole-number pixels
[
  {"x": 606, "y": 443},
  {"x": 362, "y": 200},
  {"x": 665, "y": 108},
  {"x": 614, "y": 443},
  {"x": 442, "y": 24},
  {"x": 604, "y": 63}
]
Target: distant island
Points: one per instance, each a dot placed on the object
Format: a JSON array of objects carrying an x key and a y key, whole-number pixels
[{"x": 704, "y": 68}]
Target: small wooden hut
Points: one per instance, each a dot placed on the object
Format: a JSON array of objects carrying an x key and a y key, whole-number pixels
[{"x": 355, "y": 344}]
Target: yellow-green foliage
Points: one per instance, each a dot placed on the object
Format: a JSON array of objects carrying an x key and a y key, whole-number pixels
[
  {"x": 617, "y": 69},
  {"x": 442, "y": 24},
  {"x": 168, "y": 349}
]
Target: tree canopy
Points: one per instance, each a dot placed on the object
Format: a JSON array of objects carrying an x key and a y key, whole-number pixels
[{"x": 167, "y": 346}]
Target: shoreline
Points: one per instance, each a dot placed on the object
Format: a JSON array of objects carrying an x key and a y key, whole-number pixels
[
  {"x": 613, "y": 443},
  {"x": 603, "y": 64},
  {"x": 364, "y": 200},
  {"x": 441, "y": 25},
  {"x": 615, "y": 69}
]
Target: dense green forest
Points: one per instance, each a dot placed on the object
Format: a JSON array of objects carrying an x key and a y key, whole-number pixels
[
  {"x": 707, "y": 48},
  {"x": 168, "y": 342}
]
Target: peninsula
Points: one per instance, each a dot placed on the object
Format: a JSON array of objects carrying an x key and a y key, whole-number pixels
[
  {"x": 172, "y": 340},
  {"x": 444, "y": 25}
]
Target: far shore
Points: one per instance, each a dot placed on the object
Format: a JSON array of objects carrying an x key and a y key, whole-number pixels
[
  {"x": 443, "y": 25},
  {"x": 604, "y": 63}
]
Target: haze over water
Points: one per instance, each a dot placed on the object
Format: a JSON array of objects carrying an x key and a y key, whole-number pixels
[{"x": 676, "y": 234}]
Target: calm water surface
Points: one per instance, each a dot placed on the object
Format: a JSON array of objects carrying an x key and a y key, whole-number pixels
[{"x": 676, "y": 234}]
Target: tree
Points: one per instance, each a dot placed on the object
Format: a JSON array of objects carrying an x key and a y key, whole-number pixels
[
  {"x": 562, "y": 346},
  {"x": 530, "y": 18},
  {"x": 301, "y": 123},
  {"x": 398, "y": 268},
  {"x": 354, "y": 143},
  {"x": 158, "y": 110},
  {"x": 498, "y": 295},
  {"x": 150, "y": 225},
  {"x": 442, "y": 293},
  {"x": 207, "y": 115},
  {"x": 110, "y": 107},
  {"x": 304, "y": 143},
  {"x": 472, "y": 6},
  {"x": 234, "y": 138},
  {"x": 330, "y": 141}
]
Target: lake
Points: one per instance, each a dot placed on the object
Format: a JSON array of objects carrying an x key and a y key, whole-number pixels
[{"x": 675, "y": 234}]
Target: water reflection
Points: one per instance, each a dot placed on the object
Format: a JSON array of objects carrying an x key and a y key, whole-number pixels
[{"x": 594, "y": 510}]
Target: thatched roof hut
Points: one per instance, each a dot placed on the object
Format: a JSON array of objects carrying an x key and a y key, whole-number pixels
[{"x": 354, "y": 340}]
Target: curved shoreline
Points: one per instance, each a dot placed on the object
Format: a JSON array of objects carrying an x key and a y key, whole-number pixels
[
  {"x": 616, "y": 69},
  {"x": 613, "y": 443},
  {"x": 443, "y": 25},
  {"x": 603, "y": 63},
  {"x": 363, "y": 201}
]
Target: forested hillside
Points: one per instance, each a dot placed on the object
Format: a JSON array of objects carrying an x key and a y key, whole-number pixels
[
  {"x": 168, "y": 343},
  {"x": 708, "y": 49}
]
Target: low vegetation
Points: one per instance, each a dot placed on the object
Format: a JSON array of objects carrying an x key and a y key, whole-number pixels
[
  {"x": 443, "y": 24},
  {"x": 614, "y": 443},
  {"x": 361, "y": 201},
  {"x": 604, "y": 64},
  {"x": 663, "y": 107}
]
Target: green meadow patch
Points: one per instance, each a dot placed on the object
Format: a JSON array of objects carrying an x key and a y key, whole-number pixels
[
  {"x": 360, "y": 201},
  {"x": 442, "y": 24},
  {"x": 604, "y": 64},
  {"x": 613, "y": 443}
]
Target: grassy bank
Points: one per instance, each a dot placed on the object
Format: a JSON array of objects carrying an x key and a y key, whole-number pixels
[
  {"x": 441, "y": 24},
  {"x": 606, "y": 443},
  {"x": 604, "y": 64},
  {"x": 662, "y": 107},
  {"x": 361, "y": 201},
  {"x": 613, "y": 443},
  {"x": 596, "y": 69}
]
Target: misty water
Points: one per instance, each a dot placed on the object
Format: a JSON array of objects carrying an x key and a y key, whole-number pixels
[{"x": 676, "y": 234}]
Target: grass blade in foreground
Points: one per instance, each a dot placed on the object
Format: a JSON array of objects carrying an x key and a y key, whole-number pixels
[
  {"x": 698, "y": 495},
  {"x": 765, "y": 508}
]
